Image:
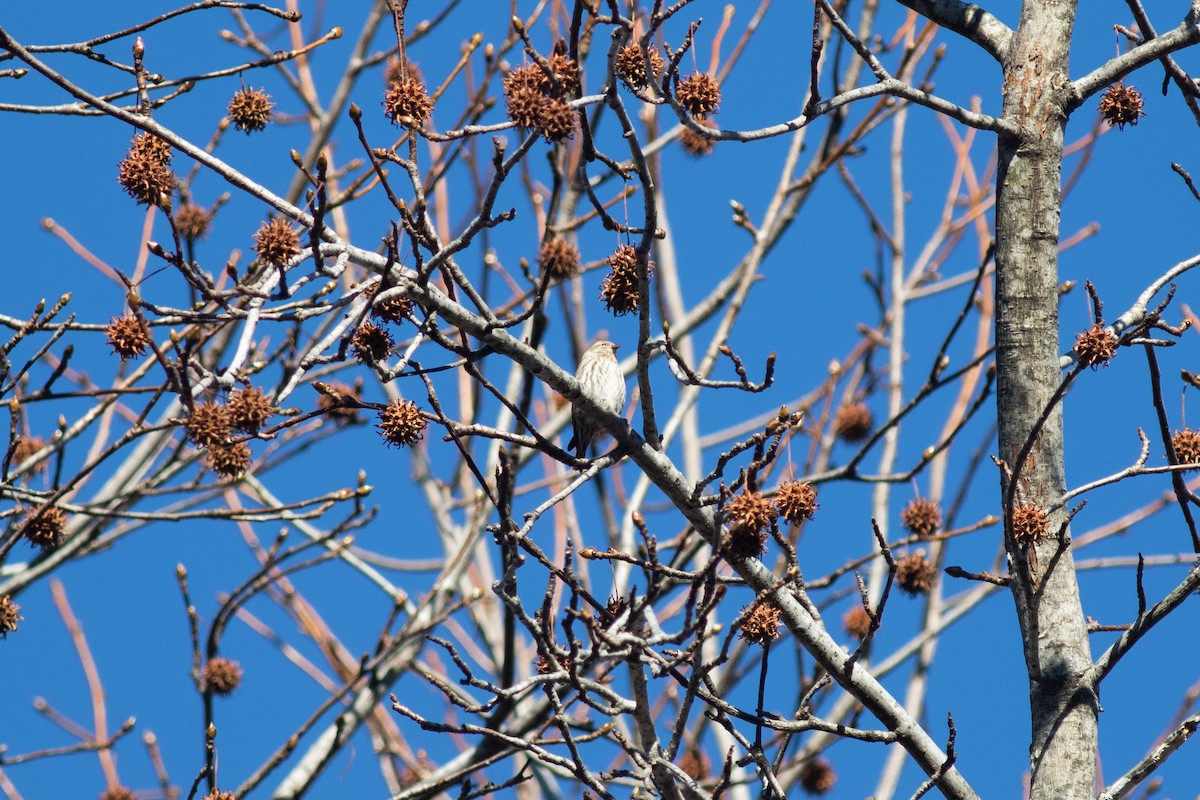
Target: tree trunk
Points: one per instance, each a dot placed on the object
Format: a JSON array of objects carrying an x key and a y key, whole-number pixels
[{"x": 1028, "y": 204}]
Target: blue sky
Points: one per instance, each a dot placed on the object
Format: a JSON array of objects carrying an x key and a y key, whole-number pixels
[{"x": 806, "y": 308}]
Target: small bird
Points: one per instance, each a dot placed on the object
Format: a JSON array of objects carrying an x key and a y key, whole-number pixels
[{"x": 600, "y": 375}]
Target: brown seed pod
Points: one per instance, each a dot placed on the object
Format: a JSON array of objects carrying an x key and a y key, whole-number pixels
[
  {"x": 1029, "y": 523},
  {"x": 1186, "y": 444},
  {"x": 407, "y": 102},
  {"x": 10, "y": 616},
  {"x": 554, "y": 119},
  {"x": 749, "y": 515},
  {"x": 922, "y": 517},
  {"x": 25, "y": 447},
  {"x": 559, "y": 258},
  {"x": 857, "y": 622},
  {"x": 1095, "y": 346},
  {"x": 118, "y": 793},
  {"x": 915, "y": 573},
  {"x": 797, "y": 501},
  {"x": 699, "y": 93},
  {"x": 250, "y": 109},
  {"x": 221, "y": 676},
  {"x": 565, "y": 69},
  {"x": 394, "y": 308},
  {"x": 145, "y": 172},
  {"x": 342, "y": 411},
  {"x": 43, "y": 527},
  {"x": 817, "y": 776},
  {"x": 693, "y": 143},
  {"x": 193, "y": 221},
  {"x": 209, "y": 425},
  {"x": 695, "y": 764},
  {"x": 402, "y": 423},
  {"x": 249, "y": 409},
  {"x": 631, "y": 66},
  {"x": 619, "y": 289},
  {"x": 229, "y": 460},
  {"x": 128, "y": 336},
  {"x": 371, "y": 342},
  {"x": 853, "y": 422},
  {"x": 1121, "y": 105},
  {"x": 276, "y": 242},
  {"x": 761, "y": 624}
]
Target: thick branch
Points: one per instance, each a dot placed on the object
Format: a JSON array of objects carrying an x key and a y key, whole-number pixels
[
  {"x": 1188, "y": 33},
  {"x": 969, "y": 20}
]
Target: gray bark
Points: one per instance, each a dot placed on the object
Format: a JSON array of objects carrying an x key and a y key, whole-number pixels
[{"x": 1063, "y": 705}]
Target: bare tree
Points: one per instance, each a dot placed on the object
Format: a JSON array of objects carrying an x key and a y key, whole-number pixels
[{"x": 609, "y": 622}]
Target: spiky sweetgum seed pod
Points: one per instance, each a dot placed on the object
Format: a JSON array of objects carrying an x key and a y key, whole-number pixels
[
  {"x": 915, "y": 573},
  {"x": 853, "y": 422},
  {"x": 407, "y": 102},
  {"x": 524, "y": 105},
  {"x": 230, "y": 461},
  {"x": 209, "y": 425},
  {"x": 1095, "y": 346},
  {"x": 193, "y": 221},
  {"x": 128, "y": 336},
  {"x": 565, "y": 68},
  {"x": 761, "y": 624},
  {"x": 699, "y": 94},
  {"x": 554, "y": 119},
  {"x": 619, "y": 289},
  {"x": 218, "y": 795},
  {"x": 395, "y": 308},
  {"x": 221, "y": 676},
  {"x": 796, "y": 501},
  {"x": 117, "y": 793},
  {"x": 545, "y": 665},
  {"x": 43, "y": 527},
  {"x": 857, "y": 622},
  {"x": 10, "y": 616},
  {"x": 817, "y": 776},
  {"x": 397, "y": 70},
  {"x": 631, "y": 66},
  {"x": 152, "y": 147},
  {"x": 371, "y": 342},
  {"x": 559, "y": 258},
  {"x": 248, "y": 409},
  {"x": 1187, "y": 446},
  {"x": 342, "y": 414},
  {"x": 402, "y": 423},
  {"x": 1121, "y": 105},
  {"x": 922, "y": 517},
  {"x": 615, "y": 606},
  {"x": 1029, "y": 523},
  {"x": 748, "y": 514},
  {"x": 744, "y": 543},
  {"x": 522, "y": 95},
  {"x": 25, "y": 448},
  {"x": 526, "y": 76},
  {"x": 276, "y": 242},
  {"x": 750, "y": 510},
  {"x": 695, "y": 764},
  {"x": 144, "y": 174},
  {"x": 250, "y": 109},
  {"x": 694, "y": 144}
]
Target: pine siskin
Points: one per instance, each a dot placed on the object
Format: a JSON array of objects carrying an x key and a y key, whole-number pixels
[{"x": 600, "y": 375}]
